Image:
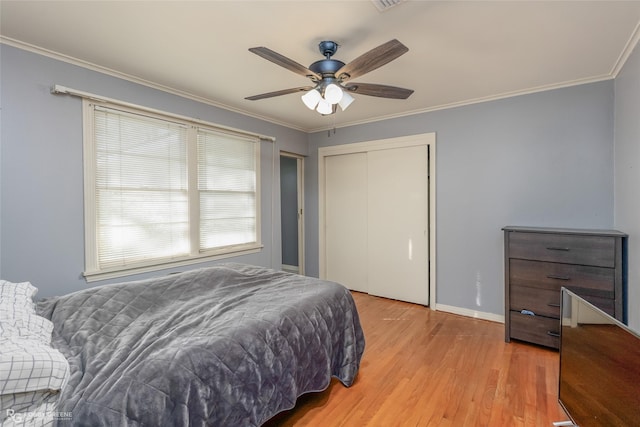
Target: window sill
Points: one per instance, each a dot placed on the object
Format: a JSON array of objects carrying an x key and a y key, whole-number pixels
[{"x": 105, "y": 274}]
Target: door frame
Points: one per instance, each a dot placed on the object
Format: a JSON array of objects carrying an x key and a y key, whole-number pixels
[
  {"x": 428, "y": 139},
  {"x": 300, "y": 208}
]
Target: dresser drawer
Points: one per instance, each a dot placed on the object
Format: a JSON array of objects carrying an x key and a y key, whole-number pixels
[
  {"x": 564, "y": 248},
  {"x": 536, "y": 329},
  {"x": 542, "y": 302},
  {"x": 586, "y": 280}
]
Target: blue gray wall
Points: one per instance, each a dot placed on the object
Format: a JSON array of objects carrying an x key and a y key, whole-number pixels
[
  {"x": 627, "y": 173},
  {"x": 544, "y": 159},
  {"x": 41, "y": 181}
]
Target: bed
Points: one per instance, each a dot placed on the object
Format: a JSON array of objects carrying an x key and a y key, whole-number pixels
[{"x": 231, "y": 345}]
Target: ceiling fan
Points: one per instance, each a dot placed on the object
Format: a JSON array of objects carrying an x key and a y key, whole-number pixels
[{"x": 332, "y": 78}]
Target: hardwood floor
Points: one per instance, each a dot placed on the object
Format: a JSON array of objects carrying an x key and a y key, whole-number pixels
[{"x": 427, "y": 368}]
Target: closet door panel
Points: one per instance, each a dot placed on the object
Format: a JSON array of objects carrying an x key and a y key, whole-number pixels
[
  {"x": 397, "y": 210},
  {"x": 346, "y": 220}
]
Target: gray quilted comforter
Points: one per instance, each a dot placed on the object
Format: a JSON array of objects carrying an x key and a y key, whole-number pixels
[{"x": 223, "y": 346}]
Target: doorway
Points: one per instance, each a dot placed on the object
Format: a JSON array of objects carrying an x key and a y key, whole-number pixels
[{"x": 291, "y": 212}]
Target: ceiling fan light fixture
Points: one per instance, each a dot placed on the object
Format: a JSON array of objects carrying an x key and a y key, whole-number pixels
[
  {"x": 311, "y": 99},
  {"x": 324, "y": 107},
  {"x": 328, "y": 75},
  {"x": 345, "y": 101},
  {"x": 333, "y": 94}
]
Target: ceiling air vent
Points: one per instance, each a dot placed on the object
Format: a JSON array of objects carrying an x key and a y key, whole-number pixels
[{"x": 383, "y": 5}]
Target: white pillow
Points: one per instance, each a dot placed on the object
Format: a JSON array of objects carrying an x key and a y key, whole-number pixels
[
  {"x": 16, "y": 297},
  {"x": 29, "y": 365},
  {"x": 27, "y": 361},
  {"x": 27, "y": 326},
  {"x": 18, "y": 317}
]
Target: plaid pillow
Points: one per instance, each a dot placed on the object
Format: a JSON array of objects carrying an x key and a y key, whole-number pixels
[
  {"x": 18, "y": 317},
  {"x": 29, "y": 365},
  {"x": 16, "y": 297},
  {"x": 27, "y": 326},
  {"x": 27, "y": 361}
]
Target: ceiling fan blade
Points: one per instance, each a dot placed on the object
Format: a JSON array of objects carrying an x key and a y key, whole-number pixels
[
  {"x": 279, "y": 92},
  {"x": 381, "y": 91},
  {"x": 371, "y": 60},
  {"x": 283, "y": 61}
]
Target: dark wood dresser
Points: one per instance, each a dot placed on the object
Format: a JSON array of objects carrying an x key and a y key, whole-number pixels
[{"x": 540, "y": 261}]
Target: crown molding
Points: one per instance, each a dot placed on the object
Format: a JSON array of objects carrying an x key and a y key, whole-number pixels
[
  {"x": 464, "y": 103},
  {"x": 631, "y": 44},
  {"x": 626, "y": 51},
  {"x": 128, "y": 77},
  {"x": 633, "y": 41}
]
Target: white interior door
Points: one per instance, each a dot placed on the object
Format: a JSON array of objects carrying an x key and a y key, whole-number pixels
[
  {"x": 346, "y": 220},
  {"x": 397, "y": 216}
]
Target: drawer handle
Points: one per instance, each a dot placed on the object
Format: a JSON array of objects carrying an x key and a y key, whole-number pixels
[
  {"x": 553, "y": 304},
  {"x": 555, "y": 248},
  {"x": 553, "y": 334},
  {"x": 553, "y": 276}
]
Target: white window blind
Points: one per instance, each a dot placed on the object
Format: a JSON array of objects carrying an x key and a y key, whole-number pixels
[
  {"x": 227, "y": 186},
  {"x": 141, "y": 188},
  {"x": 164, "y": 191}
]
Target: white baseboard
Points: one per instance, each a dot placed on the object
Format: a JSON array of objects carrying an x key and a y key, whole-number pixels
[{"x": 470, "y": 313}]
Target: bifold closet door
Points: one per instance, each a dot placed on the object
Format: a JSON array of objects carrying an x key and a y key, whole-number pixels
[
  {"x": 397, "y": 217},
  {"x": 376, "y": 222},
  {"x": 346, "y": 220}
]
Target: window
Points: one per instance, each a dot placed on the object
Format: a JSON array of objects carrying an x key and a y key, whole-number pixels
[{"x": 163, "y": 191}]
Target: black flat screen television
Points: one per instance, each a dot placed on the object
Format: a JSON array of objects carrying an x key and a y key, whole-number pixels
[{"x": 599, "y": 366}]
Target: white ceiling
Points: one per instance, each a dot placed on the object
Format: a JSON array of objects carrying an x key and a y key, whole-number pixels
[{"x": 459, "y": 51}]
